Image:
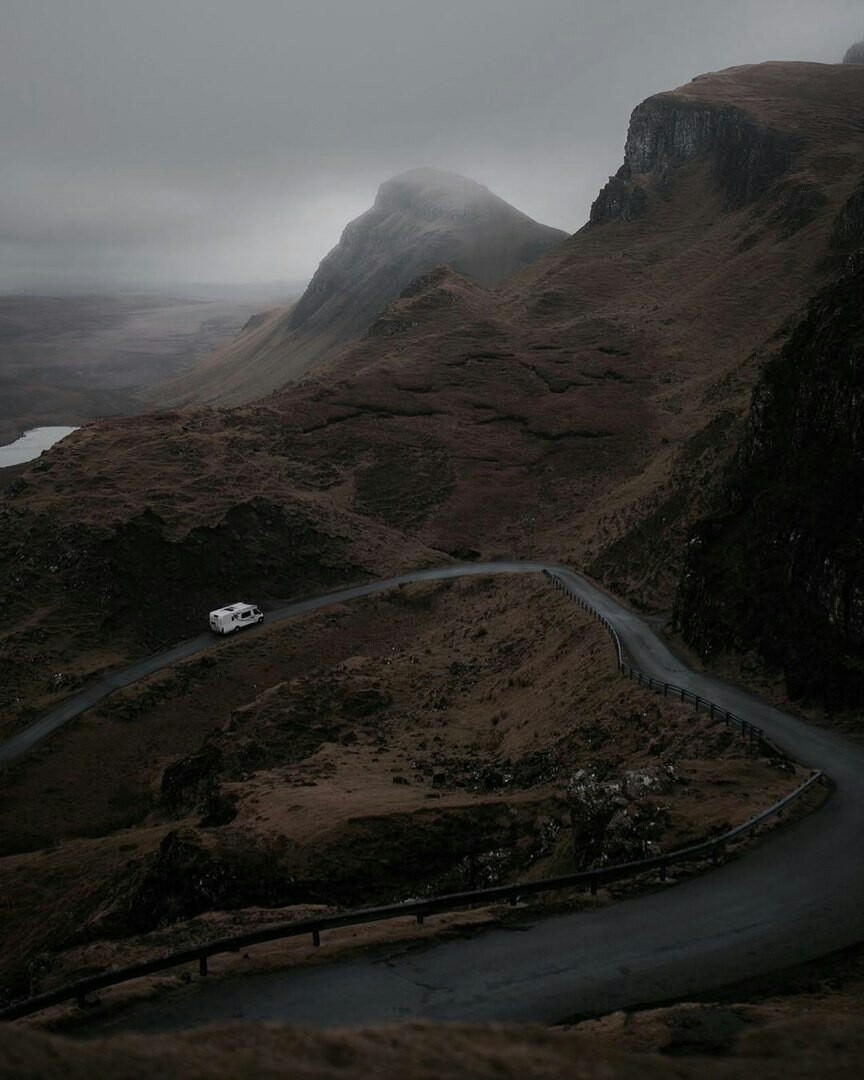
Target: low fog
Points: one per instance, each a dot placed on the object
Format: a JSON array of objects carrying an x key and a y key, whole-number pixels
[{"x": 218, "y": 141}]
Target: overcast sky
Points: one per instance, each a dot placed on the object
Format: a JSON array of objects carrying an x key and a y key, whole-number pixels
[{"x": 231, "y": 140}]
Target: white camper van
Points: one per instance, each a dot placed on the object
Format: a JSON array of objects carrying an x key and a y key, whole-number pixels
[{"x": 234, "y": 617}]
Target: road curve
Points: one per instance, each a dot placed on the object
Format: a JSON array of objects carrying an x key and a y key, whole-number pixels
[
  {"x": 795, "y": 897},
  {"x": 67, "y": 710}
]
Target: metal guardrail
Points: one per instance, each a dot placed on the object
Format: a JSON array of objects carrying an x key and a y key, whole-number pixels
[
  {"x": 750, "y": 731},
  {"x": 711, "y": 848}
]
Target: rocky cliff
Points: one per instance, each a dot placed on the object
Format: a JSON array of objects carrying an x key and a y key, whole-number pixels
[
  {"x": 670, "y": 130},
  {"x": 780, "y": 566},
  {"x": 420, "y": 219}
]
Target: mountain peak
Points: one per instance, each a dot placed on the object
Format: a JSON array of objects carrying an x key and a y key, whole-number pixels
[
  {"x": 855, "y": 53},
  {"x": 434, "y": 194},
  {"x": 421, "y": 218}
]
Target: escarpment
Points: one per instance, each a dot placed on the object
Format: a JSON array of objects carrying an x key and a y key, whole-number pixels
[
  {"x": 668, "y": 130},
  {"x": 779, "y": 568},
  {"x": 848, "y": 231}
]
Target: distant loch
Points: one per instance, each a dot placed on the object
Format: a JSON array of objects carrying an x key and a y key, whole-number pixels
[{"x": 31, "y": 444}]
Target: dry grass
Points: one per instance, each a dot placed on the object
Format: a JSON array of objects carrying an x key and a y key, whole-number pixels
[
  {"x": 827, "y": 1046},
  {"x": 491, "y": 694}
]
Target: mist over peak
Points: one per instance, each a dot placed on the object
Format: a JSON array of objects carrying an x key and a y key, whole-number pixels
[{"x": 201, "y": 141}]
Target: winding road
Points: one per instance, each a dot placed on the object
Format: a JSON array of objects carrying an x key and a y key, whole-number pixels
[{"x": 797, "y": 896}]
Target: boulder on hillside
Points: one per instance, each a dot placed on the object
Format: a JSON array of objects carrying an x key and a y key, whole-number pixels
[{"x": 614, "y": 820}]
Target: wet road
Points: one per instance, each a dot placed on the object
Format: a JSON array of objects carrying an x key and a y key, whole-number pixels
[{"x": 797, "y": 896}]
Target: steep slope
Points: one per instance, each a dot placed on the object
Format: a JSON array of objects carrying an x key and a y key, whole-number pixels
[
  {"x": 584, "y": 411},
  {"x": 780, "y": 566},
  {"x": 420, "y": 218}
]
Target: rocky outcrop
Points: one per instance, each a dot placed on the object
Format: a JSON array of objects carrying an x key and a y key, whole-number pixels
[
  {"x": 848, "y": 231},
  {"x": 855, "y": 54},
  {"x": 619, "y": 200},
  {"x": 614, "y": 819},
  {"x": 668, "y": 131},
  {"x": 372, "y": 859},
  {"x": 780, "y": 567}
]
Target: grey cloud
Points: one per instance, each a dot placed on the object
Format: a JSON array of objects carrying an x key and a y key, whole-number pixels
[{"x": 228, "y": 140}]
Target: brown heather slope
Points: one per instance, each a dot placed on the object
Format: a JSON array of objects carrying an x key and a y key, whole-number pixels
[{"x": 582, "y": 411}]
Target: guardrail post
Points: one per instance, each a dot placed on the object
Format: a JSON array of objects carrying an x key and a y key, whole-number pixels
[
  {"x": 202, "y": 965},
  {"x": 682, "y": 694},
  {"x": 419, "y": 920},
  {"x": 663, "y": 872},
  {"x": 316, "y": 938},
  {"x": 593, "y": 886}
]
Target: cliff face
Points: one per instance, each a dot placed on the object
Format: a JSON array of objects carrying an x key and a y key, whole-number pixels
[
  {"x": 669, "y": 130},
  {"x": 780, "y": 567},
  {"x": 420, "y": 219}
]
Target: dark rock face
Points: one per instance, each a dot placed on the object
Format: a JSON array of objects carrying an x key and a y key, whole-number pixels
[
  {"x": 619, "y": 201},
  {"x": 374, "y": 860},
  {"x": 667, "y": 132},
  {"x": 192, "y": 779},
  {"x": 855, "y": 54},
  {"x": 120, "y": 565},
  {"x": 780, "y": 566},
  {"x": 613, "y": 819},
  {"x": 848, "y": 231}
]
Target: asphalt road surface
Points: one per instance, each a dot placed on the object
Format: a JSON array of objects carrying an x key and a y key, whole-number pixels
[{"x": 796, "y": 896}]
